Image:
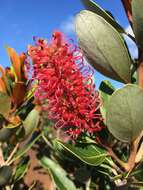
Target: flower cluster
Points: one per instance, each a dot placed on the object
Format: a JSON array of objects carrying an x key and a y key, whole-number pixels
[{"x": 64, "y": 85}]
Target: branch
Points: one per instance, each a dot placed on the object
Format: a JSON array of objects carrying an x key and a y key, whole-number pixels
[{"x": 12, "y": 154}]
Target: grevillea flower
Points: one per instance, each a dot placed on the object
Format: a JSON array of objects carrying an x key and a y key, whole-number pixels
[{"x": 64, "y": 86}]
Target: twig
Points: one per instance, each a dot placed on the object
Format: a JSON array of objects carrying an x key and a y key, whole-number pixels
[
  {"x": 12, "y": 154},
  {"x": 88, "y": 184},
  {"x": 134, "y": 147},
  {"x": 46, "y": 141},
  {"x": 2, "y": 161},
  {"x": 115, "y": 157},
  {"x": 7, "y": 188},
  {"x": 139, "y": 155},
  {"x": 140, "y": 69}
]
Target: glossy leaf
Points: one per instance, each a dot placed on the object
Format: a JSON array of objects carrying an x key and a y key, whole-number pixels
[
  {"x": 105, "y": 90},
  {"x": 2, "y": 86},
  {"x": 137, "y": 7},
  {"x": 3, "y": 80},
  {"x": 31, "y": 122},
  {"x": 5, "y": 104},
  {"x": 92, "y": 6},
  {"x": 103, "y": 46},
  {"x": 89, "y": 153},
  {"x": 5, "y": 175},
  {"x": 124, "y": 115},
  {"x": 18, "y": 93},
  {"x": 15, "y": 60},
  {"x": 59, "y": 175}
]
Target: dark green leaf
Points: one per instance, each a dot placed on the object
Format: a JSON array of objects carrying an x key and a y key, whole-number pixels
[
  {"x": 88, "y": 153},
  {"x": 5, "y": 175},
  {"x": 124, "y": 115},
  {"x": 137, "y": 7},
  {"x": 103, "y": 46},
  {"x": 59, "y": 174},
  {"x": 82, "y": 174},
  {"x": 105, "y": 91},
  {"x": 21, "y": 169},
  {"x": 107, "y": 87}
]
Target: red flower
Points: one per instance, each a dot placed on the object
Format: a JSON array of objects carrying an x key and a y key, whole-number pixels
[{"x": 65, "y": 88}]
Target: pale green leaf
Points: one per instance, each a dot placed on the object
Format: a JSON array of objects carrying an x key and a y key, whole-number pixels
[
  {"x": 124, "y": 115},
  {"x": 103, "y": 46}
]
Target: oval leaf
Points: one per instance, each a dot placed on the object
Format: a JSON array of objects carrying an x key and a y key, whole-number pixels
[
  {"x": 31, "y": 122},
  {"x": 137, "y": 12},
  {"x": 92, "y": 6},
  {"x": 103, "y": 46},
  {"x": 88, "y": 153},
  {"x": 124, "y": 115},
  {"x": 59, "y": 174},
  {"x": 5, "y": 104},
  {"x": 5, "y": 175}
]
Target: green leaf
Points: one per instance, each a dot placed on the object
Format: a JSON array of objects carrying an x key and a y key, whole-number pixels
[
  {"x": 105, "y": 90},
  {"x": 59, "y": 174},
  {"x": 5, "y": 104},
  {"x": 124, "y": 115},
  {"x": 103, "y": 46},
  {"x": 21, "y": 169},
  {"x": 92, "y": 6},
  {"x": 25, "y": 148},
  {"x": 88, "y": 153},
  {"x": 5, "y": 175},
  {"x": 137, "y": 7},
  {"x": 31, "y": 122}
]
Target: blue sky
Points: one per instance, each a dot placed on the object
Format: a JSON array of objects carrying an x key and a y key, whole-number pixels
[{"x": 20, "y": 20}]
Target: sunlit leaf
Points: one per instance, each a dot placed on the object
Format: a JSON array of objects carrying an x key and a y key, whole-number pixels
[
  {"x": 103, "y": 46},
  {"x": 92, "y": 6},
  {"x": 18, "y": 93},
  {"x": 15, "y": 60},
  {"x": 89, "y": 153}
]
